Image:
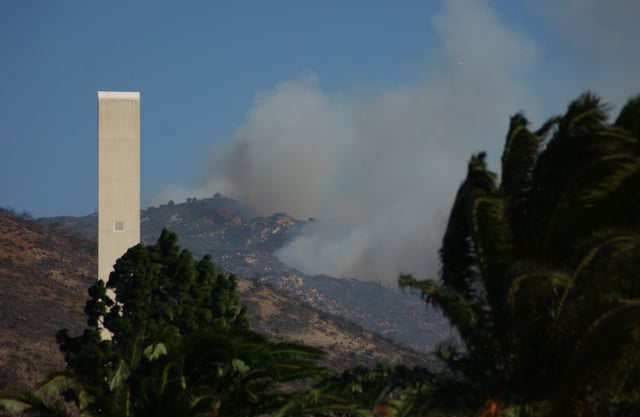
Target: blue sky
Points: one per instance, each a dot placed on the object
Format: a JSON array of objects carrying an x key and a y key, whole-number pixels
[
  {"x": 198, "y": 66},
  {"x": 359, "y": 112}
]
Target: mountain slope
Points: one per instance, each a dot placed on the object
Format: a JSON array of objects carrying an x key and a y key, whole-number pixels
[
  {"x": 246, "y": 245},
  {"x": 44, "y": 276},
  {"x": 346, "y": 344}
]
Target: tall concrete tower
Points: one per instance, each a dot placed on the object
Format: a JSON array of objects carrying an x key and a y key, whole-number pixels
[{"x": 118, "y": 176}]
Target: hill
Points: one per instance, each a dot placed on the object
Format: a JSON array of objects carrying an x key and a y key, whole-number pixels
[
  {"x": 246, "y": 244},
  {"x": 44, "y": 275}
]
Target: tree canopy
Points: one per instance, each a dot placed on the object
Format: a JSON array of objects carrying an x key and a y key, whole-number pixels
[
  {"x": 540, "y": 269},
  {"x": 166, "y": 336},
  {"x": 150, "y": 289}
]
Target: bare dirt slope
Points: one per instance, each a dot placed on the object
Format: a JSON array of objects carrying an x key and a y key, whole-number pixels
[
  {"x": 44, "y": 276},
  {"x": 346, "y": 344}
]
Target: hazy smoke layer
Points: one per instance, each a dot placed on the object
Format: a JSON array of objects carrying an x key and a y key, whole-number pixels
[{"x": 380, "y": 171}]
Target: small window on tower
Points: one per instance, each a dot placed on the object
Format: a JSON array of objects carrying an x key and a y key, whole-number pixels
[{"x": 118, "y": 226}]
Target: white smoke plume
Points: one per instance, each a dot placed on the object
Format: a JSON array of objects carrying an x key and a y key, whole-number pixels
[{"x": 379, "y": 171}]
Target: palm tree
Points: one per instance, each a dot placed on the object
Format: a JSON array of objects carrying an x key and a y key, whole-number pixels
[
  {"x": 540, "y": 271},
  {"x": 235, "y": 374},
  {"x": 203, "y": 374},
  {"x": 46, "y": 400}
]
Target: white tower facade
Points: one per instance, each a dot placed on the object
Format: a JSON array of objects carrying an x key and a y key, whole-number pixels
[{"x": 118, "y": 176}]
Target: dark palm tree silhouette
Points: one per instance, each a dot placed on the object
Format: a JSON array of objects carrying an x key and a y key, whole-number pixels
[{"x": 541, "y": 269}]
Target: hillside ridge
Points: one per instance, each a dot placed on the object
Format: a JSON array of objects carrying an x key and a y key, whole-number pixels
[
  {"x": 44, "y": 276},
  {"x": 246, "y": 244}
]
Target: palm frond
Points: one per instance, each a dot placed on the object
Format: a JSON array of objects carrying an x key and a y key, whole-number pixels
[
  {"x": 451, "y": 303},
  {"x": 546, "y": 128},
  {"x": 584, "y": 114},
  {"x": 518, "y": 158},
  {"x": 493, "y": 244},
  {"x": 600, "y": 357},
  {"x": 606, "y": 272},
  {"x": 120, "y": 377},
  {"x": 463, "y": 314},
  {"x": 518, "y": 162},
  {"x": 20, "y": 401},
  {"x": 457, "y": 255},
  {"x": 565, "y": 169},
  {"x": 629, "y": 117},
  {"x": 56, "y": 383}
]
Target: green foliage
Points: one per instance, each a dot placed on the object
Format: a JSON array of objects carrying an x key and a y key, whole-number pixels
[
  {"x": 44, "y": 400},
  {"x": 356, "y": 392},
  {"x": 540, "y": 271},
  {"x": 154, "y": 293},
  {"x": 166, "y": 338},
  {"x": 204, "y": 373}
]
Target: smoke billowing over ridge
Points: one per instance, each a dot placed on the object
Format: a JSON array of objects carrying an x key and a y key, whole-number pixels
[{"x": 379, "y": 171}]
